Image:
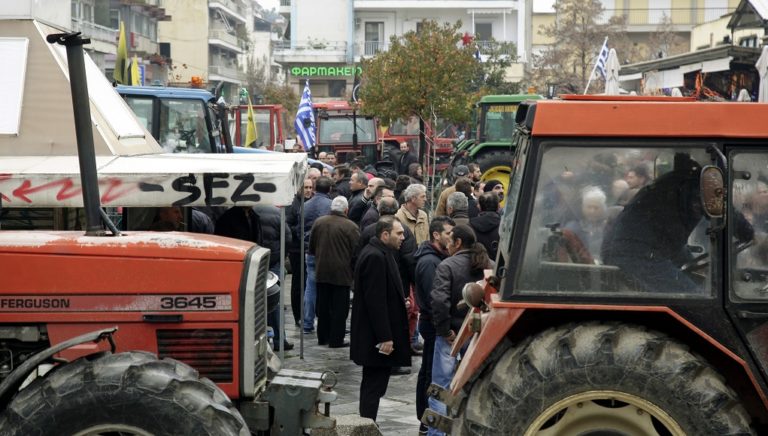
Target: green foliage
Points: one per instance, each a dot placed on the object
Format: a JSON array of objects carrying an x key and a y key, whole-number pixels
[
  {"x": 257, "y": 85},
  {"x": 498, "y": 57},
  {"x": 427, "y": 74}
]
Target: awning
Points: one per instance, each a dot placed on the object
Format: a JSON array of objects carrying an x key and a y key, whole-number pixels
[
  {"x": 630, "y": 77},
  {"x": 723, "y": 64},
  {"x": 663, "y": 79}
]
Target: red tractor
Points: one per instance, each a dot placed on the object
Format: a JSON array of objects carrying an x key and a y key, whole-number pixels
[
  {"x": 437, "y": 155},
  {"x": 270, "y": 124},
  {"x": 618, "y": 307},
  {"x": 105, "y": 332},
  {"x": 345, "y": 132}
]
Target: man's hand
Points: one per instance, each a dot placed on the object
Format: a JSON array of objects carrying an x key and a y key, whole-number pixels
[
  {"x": 407, "y": 303},
  {"x": 450, "y": 337},
  {"x": 386, "y": 347}
]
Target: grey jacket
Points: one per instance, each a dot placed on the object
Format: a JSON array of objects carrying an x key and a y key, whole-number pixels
[{"x": 450, "y": 277}]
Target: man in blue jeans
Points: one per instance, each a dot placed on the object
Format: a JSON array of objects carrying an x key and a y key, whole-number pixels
[
  {"x": 316, "y": 207},
  {"x": 468, "y": 259},
  {"x": 428, "y": 256}
]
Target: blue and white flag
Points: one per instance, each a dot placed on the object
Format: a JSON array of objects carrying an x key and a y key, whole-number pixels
[
  {"x": 602, "y": 58},
  {"x": 305, "y": 120}
]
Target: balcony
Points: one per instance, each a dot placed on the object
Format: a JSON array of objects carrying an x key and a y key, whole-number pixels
[
  {"x": 371, "y": 48},
  {"x": 285, "y": 2},
  {"x": 683, "y": 19},
  {"x": 503, "y": 49},
  {"x": 95, "y": 31},
  {"x": 310, "y": 51},
  {"x": 228, "y": 73},
  {"x": 224, "y": 39},
  {"x": 231, "y": 7}
]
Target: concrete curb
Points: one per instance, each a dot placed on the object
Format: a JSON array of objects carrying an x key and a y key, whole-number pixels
[{"x": 349, "y": 425}]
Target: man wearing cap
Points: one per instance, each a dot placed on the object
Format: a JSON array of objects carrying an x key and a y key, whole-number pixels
[
  {"x": 458, "y": 172},
  {"x": 496, "y": 187}
]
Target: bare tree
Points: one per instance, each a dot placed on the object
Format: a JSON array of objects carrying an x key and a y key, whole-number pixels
[
  {"x": 665, "y": 41},
  {"x": 578, "y": 33}
]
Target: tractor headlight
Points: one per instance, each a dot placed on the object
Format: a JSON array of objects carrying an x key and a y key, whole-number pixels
[{"x": 473, "y": 294}]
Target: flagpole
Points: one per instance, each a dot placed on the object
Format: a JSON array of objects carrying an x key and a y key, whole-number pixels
[{"x": 594, "y": 68}]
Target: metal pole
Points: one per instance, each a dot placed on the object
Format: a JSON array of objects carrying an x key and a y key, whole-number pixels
[
  {"x": 301, "y": 276},
  {"x": 81, "y": 107},
  {"x": 354, "y": 128},
  {"x": 280, "y": 314}
]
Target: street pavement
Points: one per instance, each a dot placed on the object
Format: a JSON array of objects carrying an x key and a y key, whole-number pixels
[{"x": 397, "y": 411}]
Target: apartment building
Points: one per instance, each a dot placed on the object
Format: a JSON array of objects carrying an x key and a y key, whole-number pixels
[
  {"x": 327, "y": 39},
  {"x": 206, "y": 39}
]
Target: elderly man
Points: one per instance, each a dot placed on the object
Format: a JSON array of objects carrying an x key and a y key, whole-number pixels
[
  {"x": 458, "y": 172},
  {"x": 314, "y": 174},
  {"x": 357, "y": 210},
  {"x": 457, "y": 206},
  {"x": 379, "y": 328},
  {"x": 372, "y": 214},
  {"x": 411, "y": 213},
  {"x": 333, "y": 243}
]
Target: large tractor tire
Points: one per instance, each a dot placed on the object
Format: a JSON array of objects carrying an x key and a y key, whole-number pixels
[
  {"x": 495, "y": 165},
  {"x": 127, "y": 394},
  {"x": 601, "y": 379}
]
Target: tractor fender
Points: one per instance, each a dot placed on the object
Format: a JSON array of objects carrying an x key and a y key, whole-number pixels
[
  {"x": 516, "y": 320},
  {"x": 11, "y": 384},
  {"x": 482, "y": 147}
]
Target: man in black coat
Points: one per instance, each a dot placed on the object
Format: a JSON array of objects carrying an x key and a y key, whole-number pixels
[
  {"x": 486, "y": 224},
  {"x": 406, "y": 159},
  {"x": 372, "y": 214},
  {"x": 358, "y": 184},
  {"x": 428, "y": 256},
  {"x": 379, "y": 329}
]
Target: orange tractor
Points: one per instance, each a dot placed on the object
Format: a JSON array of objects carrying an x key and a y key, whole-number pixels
[{"x": 617, "y": 307}]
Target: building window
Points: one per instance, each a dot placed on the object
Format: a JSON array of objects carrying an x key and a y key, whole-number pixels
[
  {"x": 374, "y": 37},
  {"x": 114, "y": 18},
  {"x": 337, "y": 88},
  {"x": 483, "y": 31},
  {"x": 749, "y": 41}
]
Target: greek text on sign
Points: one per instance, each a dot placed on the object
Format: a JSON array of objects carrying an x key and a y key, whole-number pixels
[
  {"x": 325, "y": 71},
  {"x": 117, "y": 303}
]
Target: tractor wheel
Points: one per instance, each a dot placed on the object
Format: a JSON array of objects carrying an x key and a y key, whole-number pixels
[
  {"x": 601, "y": 379},
  {"x": 495, "y": 165},
  {"x": 127, "y": 394}
]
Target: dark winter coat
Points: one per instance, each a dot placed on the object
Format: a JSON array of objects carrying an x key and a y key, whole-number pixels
[
  {"x": 342, "y": 188},
  {"x": 378, "y": 309},
  {"x": 358, "y": 204},
  {"x": 486, "y": 227},
  {"x": 269, "y": 218},
  {"x": 317, "y": 206},
  {"x": 334, "y": 243},
  {"x": 406, "y": 159},
  {"x": 371, "y": 217},
  {"x": 406, "y": 263},
  {"x": 450, "y": 277},
  {"x": 293, "y": 219},
  {"x": 427, "y": 260}
]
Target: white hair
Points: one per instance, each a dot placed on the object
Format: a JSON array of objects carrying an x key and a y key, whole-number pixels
[
  {"x": 413, "y": 191},
  {"x": 339, "y": 204},
  {"x": 594, "y": 193},
  {"x": 457, "y": 201}
]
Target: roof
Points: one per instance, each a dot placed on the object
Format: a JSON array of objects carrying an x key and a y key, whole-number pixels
[
  {"x": 742, "y": 55},
  {"x": 675, "y": 119},
  {"x": 749, "y": 14},
  {"x": 164, "y": 91},
  {"x": 514, "y": 98}
]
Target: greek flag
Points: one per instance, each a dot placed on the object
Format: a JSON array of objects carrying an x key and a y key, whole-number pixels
[
  {"x": 305, "y": 120},
  {"x": 602, "y": 58}
]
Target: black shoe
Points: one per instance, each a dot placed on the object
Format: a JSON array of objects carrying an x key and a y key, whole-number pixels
[
  {"x": 322, "y": 343},
  {"x": 341, "y": 345},
  {"x": 399, "y": 370},
  {"x": 423, "y": 429},
  {"x": 287, "y": 346}
]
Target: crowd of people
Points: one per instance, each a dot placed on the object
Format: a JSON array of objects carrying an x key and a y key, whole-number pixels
[{"x": 371, "y": 236}]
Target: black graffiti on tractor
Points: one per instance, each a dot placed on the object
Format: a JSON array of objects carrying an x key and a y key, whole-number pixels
[{"x": 213, "y": 183}]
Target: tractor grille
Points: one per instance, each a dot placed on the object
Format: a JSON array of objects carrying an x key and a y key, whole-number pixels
[
  {"x": 260, "y": 325},
  {"x": 207, "y": 351}
]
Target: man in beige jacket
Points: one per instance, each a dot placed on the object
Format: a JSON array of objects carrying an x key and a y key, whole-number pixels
[{"x": 411, "y": 213}]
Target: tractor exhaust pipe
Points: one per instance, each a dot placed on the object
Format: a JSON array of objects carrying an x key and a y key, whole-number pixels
[{"x": 82, "y": 110}]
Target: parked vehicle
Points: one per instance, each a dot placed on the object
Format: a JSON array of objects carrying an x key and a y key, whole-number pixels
[
  {"x": 337, "y": 122},
  {"x": 659, "y": 328}
]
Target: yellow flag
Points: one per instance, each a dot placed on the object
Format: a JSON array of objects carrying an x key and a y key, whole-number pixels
[
  {"x": 121, "y": 62},
  {"x": 134, "y": 72},
  {"x": 250, "y": 131}
]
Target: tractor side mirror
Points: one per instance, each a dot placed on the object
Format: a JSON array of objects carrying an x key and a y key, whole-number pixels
[{"x": 712, "y": 188}]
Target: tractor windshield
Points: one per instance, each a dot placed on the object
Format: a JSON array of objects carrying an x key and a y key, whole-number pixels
[
  {"x": 263, "y": 133},
  {"x": 622, "y": 220},
  {"x": 338, "y": 130},
  {"x": 498, "y": 122}
]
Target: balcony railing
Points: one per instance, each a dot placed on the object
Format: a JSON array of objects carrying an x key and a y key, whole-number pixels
[
  {"x": 232, "y": 5},
  {"x": 285, "y": 2},
  {"x": 675, "y": 16},
  {"x": 95, "y": 31},
  {"x": 223, "y": 35},
  {"x": 334, "y": 46},
  {"x": 230, "y": 71},
  {"x": 371, "y": 48},
  {"x": 502, "y": 49}
]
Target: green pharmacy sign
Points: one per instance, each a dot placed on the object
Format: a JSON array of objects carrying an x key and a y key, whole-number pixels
[{"x": 325, "y": 71}]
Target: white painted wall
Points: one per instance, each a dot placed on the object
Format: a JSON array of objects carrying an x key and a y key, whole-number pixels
[
  {"x": 57, "y": 13},
  {"x": 325, "y": 20}
]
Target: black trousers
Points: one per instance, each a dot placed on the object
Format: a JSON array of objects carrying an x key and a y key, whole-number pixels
[
  {"x": 332, "y": 309},
  {"x": 427, "y": 331},
  {"x": 297, "y": 285},
  {"x": 372, "y": 388}
]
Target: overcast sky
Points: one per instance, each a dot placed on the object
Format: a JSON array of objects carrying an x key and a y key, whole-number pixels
[{"x": 269, "y": 4}]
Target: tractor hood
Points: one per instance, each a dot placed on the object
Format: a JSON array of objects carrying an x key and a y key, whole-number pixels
[{"x": 38, "y": 145}]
